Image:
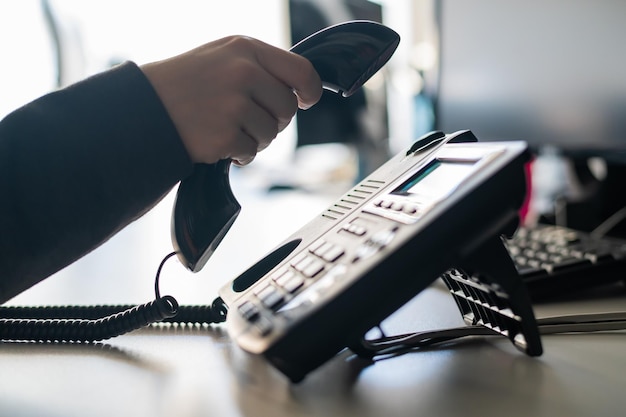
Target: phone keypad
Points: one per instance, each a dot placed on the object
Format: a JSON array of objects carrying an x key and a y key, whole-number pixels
[{"x": 284, "y": 284}]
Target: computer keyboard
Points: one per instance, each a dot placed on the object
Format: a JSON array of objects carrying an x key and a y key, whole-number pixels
[{"x": 555, "y": 261}]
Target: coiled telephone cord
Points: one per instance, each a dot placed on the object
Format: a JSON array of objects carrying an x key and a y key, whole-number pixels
[{"x": 100, "y": 322}]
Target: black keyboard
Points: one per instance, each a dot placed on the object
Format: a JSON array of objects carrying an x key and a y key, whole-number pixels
[{"x": 556, "y": 261}]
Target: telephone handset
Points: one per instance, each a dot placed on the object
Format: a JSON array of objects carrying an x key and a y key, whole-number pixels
[
  {"x": 345, "y": 56},
  {"x": 437, "y": 209}
]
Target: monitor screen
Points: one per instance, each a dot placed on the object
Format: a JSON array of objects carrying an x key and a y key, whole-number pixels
[
  {"x": 334, "y": 118},
  {"x": 550, "y": 72}
]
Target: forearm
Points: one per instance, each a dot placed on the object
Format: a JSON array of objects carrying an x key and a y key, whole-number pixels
[{"x": 78, "y": 165}]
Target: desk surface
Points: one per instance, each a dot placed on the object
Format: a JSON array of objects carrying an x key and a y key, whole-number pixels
[
  {"x": 192, "y": 371},
  {"x": 200, "y": 372}
]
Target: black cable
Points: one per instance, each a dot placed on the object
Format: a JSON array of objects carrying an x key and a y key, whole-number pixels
[
  {"x": 94, "y": 323},
  {"x": 577, "y": 323},
  {"x": 88, "y": 330},
  {"x": 157, "y": 291},
  {"x": 200, "y": 314}
]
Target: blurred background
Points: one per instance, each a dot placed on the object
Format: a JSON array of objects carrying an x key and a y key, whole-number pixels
[{"x": 548, "y": 72}]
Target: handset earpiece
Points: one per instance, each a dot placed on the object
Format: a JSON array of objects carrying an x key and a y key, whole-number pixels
[{"x": 345, "y": 56}]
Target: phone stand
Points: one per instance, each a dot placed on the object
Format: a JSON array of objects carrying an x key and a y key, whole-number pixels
[
  {"x": 491, "y": 299},
  {"x": 489, "y": 292}
]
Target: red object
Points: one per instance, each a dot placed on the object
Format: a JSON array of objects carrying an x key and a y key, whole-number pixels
[{"x": 525, "y": 208}]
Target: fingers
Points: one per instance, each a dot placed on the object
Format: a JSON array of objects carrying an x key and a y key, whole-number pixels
[
  {"x": 277, "y": 99},
  {"x": 294, "y": 71},
  {"x": 230, "y": 98},
  {"x": 253, "y": 129},
  {"x": 273, "y": 89},
  {"x": 245, "y": 150},
  {"x": 261, "y": 125}
]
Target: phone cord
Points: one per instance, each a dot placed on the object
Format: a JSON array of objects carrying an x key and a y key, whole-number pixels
[{"x": 94, "y": 323}]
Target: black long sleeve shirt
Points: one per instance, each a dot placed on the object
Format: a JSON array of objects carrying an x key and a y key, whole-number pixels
[{"x": 78, "y": 165}]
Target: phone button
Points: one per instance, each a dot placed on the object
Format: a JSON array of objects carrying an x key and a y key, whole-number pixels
[
  {"x": 333, "y": 254},
  {"x": 264, "y": 326},
  {"x": 321, "y": 248},
  {"x": 317, "y": 246},
  {"x": 381, "y": 239},
  {"x": 313, "y": 269},
  {"x": 270, "y": 297},
  {"x": 355, "y": 229},
  {"x": 309, "y": 266},
  {"x": 328, "y": 251},
  {"x": 290, "y": 281},
  {"x": 248, "y": 311},
  {"x": 376, "y": 243}
]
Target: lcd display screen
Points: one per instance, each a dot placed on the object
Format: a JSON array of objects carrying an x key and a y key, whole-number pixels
[{"x": 436, "y": 181}]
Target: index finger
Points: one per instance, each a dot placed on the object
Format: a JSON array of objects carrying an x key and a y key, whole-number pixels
[{"x": 295, "y": 71}]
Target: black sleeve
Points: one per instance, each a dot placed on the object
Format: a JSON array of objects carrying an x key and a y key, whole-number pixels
[{"x": 78, "y": 165}]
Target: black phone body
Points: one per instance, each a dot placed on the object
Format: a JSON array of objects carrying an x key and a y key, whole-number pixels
[{"x": 388, "y": 238}]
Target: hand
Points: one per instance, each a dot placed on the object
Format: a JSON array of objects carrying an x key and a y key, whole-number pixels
[{"x": 231, "y": 97}]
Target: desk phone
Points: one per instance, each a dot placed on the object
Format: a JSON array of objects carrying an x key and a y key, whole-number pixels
[{"x": 437, "y": 209}]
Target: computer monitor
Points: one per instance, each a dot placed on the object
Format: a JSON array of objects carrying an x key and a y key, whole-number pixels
[
  {"x": 551, "y": 72},
  {"x": 361, "y": 119}
]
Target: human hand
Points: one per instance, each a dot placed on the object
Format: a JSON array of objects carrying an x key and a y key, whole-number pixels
[{"x": 230, "y": 98}]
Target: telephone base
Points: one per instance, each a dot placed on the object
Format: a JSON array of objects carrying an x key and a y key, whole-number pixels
[{"x": 382, "y": 243}]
